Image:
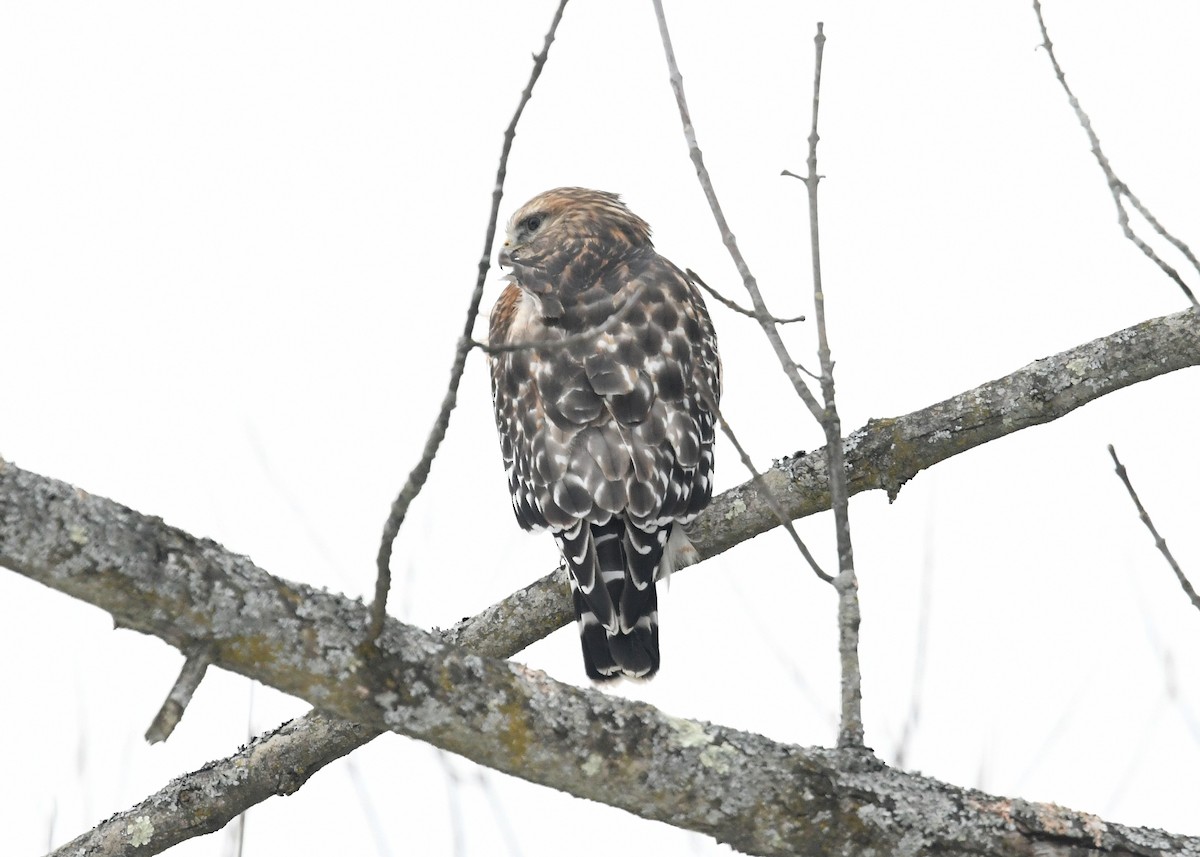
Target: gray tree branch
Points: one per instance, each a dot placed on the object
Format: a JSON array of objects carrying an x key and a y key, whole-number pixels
[{"x": 760, "y": 796}]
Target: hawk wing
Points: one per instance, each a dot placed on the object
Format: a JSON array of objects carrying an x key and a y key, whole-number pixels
[
  {"x": 607, "y": 439},
  {"x": 616, "y": 423}
]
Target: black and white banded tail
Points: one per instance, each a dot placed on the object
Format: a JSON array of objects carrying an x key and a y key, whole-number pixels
[{"x": 613, "y": 567}]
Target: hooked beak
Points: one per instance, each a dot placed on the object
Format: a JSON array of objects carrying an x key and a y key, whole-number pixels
[{"x": 505, "y": 258}]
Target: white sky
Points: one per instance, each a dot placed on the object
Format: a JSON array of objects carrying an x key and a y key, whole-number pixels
[{"x": 236, "y": 245}]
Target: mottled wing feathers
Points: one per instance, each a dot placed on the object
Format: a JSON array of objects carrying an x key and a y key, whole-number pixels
[{"x": 624, "y": 428}]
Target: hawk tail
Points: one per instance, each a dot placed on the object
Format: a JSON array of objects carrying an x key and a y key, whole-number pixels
[{"x": 612, "y": 568}]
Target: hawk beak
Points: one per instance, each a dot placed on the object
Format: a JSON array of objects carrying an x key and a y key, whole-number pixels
[{"x": 505, "y": 259}]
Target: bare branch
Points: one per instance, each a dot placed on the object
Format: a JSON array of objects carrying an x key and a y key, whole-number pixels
[
  {"x": 850, "y": 732},
  {"x": 168, "y": 717},
  {"x": 761, "y": 314},
  {"x": 418, "y": 475},
  {"x": 1159, "y": 541},
  {"x": 882, "y": 455},
  {"x": 736, "y": 307},
  {"x": 1119, "y": 190},
  {"x": 204, "y": 801},
  {"x": 759, "y": 796}
]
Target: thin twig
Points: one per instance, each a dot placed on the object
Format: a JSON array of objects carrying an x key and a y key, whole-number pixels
[
  {"x": 574, "y": 338},
  {"x": 736, "y": 307},
  {"x": 761, "y": 313},
  {"x": 850, "y": 733},
  {"x": 1119, "y": 190},
  {"x": 416, "y": 479},
  {"x": 772, "y": 501},
  {"x": 177, "y": 700},
  {"x": 1159, "y": 541},
  {"x": 909, "y": 730}
]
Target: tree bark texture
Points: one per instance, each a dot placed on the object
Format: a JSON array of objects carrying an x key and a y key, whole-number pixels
[{"x": 758, "y": 795}]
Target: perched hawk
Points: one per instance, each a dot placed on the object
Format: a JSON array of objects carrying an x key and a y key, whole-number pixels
[{"x": 606, "y": 424}]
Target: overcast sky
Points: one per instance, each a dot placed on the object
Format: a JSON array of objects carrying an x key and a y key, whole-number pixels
[{"x": 236, "y": 246}]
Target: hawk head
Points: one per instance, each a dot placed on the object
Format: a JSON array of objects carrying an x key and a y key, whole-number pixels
[{"x": 567, "y": 234}]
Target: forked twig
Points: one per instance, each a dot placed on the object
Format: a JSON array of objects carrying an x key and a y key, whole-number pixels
[
  {"x": 761, "y": 313},
  {"x": 1119, "y": 190},
  {"x": 416, "y": 479},
  {"x": 736, "y": 307},
  {"x": 1159, "y": 541}
]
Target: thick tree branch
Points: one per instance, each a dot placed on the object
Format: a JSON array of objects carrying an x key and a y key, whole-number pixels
[
  {"x": 204, "y": 801},
  {"x": 47, "y": 519},
  {"x": 281, "y": 761},
  {"x": 886, "y": 453},
  {"x": 760, "y": 796}
]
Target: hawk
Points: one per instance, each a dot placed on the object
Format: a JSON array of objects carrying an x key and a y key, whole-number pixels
[{"x": 605, "y": 379}]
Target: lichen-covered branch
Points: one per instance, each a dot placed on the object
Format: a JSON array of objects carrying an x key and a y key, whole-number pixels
[
  {"x": 884, "y": 454},
  {"x": 281, "y": 761},
  {"x": 760, "y": 796},
  {"x": 204, "y": 801}
]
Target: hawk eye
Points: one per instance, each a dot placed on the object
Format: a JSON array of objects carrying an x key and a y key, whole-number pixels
[{"x": 531, "y": 223}]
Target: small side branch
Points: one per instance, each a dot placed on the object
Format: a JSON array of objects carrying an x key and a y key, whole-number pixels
[
  {"x": 1119, "y": 190},
  {"x": 1159, "y": 541},
  {"x": 168, "y": 717},
  {"x": 736, "y": 307},
  {"x": 416, "y": 478}
]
